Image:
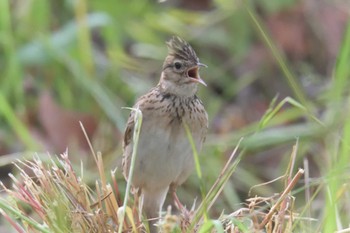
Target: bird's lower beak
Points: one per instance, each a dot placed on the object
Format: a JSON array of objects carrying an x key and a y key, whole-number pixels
[
  {"x": 198, "y": 80},
  {"x": 193, "y": 74}
]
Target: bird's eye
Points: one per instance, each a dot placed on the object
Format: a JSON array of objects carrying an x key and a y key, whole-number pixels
[{"x": 177, "y": 65}]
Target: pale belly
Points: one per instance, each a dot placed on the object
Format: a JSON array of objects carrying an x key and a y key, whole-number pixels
[{"x": 162, "y": 157}]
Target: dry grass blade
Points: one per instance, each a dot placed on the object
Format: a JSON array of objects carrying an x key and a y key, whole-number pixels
[
  {"x": 219, "y": 185},
  {"x": 282, "y": 198},
  {"x": 193, "y": 219},
  {"x": 268, "y": 214},
  {"x": 59, "y": 200},
  {"x": 12, "y": 222}
]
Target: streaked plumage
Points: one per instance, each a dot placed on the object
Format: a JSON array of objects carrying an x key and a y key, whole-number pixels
[{"x": 165, "y": 156}]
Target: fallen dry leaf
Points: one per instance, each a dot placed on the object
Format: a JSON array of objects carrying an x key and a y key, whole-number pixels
[{"x": 62, "y": 126}]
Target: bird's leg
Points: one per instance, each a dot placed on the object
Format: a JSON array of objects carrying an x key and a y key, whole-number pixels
[{"x": 177, "y": 202}]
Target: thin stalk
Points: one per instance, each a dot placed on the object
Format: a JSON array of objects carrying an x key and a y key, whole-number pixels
[
  {"x": 136, "y": 135},
  {"x": 299, "y": 93},
  {"x": 198, "y": 169}
]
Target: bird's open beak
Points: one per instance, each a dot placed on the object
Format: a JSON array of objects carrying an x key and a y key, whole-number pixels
[{"x": 193, "y": 74}]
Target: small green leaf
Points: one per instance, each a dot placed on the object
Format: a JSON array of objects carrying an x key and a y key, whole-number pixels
[{"x": 207, "y": 226}]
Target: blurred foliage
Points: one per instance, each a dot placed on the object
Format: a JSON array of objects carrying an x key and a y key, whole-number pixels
[{"x": 278, "y": 70}]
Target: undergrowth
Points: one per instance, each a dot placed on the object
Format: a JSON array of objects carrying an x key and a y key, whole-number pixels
[{"x": 51, "y": 197}]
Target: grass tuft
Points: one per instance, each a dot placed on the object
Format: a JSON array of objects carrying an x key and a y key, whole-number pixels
[{"x": 56, "y": 199}]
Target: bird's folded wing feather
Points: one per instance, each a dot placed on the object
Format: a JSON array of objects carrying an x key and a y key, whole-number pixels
[{"x": 128, "y": 134}]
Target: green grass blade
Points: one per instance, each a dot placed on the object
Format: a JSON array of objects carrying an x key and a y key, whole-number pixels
[
  {"x": 11, "y": 81},
  {"x": 136, "y": 135},
  {"x": 296, "y": 88},
  {"x": 8, "y": 209},
  {"x": 16, "y": 124},
  {"x": 198, "y": 167},
  {"x": 206, "y": 227},
  {"x": 342, "y": 71}
]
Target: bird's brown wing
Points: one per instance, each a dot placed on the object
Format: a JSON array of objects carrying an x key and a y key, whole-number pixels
[
  {"x": 128, "y": 134},
  {"x": 129, "y": 130},
  {"x": 145, "y": 106}
]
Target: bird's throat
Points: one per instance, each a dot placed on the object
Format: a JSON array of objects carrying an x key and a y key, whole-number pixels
[{"x": 183, "y": 90}]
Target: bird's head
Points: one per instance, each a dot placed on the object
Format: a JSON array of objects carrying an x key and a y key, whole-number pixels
[{"x": 180, "y": 74}]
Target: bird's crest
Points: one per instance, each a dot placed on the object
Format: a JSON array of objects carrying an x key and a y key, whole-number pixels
[{"x": 180, "y": 48}]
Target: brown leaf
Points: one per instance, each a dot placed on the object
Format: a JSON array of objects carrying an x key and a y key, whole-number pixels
[
  {"x": 329, "y": 20},
  {"x": 62, "y": 126},
  {"x": 289, "y": 30}
]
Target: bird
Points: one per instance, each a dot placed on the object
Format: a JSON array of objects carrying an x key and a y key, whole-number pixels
[{"x": 164, "y": 157}]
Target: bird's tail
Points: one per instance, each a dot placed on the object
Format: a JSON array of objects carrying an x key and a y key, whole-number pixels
[{"x": 151, "y": 203}]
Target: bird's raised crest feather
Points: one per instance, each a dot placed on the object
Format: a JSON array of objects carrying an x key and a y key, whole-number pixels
[{"x": 180, "y": 48}]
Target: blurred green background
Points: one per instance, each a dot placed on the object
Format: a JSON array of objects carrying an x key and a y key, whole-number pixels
[{"x": 277, "y": 72}]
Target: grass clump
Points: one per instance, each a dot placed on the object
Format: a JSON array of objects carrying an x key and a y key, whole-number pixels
[
  {"x": 51, "y": 197},
  {"x": 55, "y": 199}
]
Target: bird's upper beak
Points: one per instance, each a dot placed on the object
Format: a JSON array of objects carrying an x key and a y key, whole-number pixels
[{"x": 193, "y": 73}]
